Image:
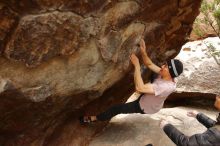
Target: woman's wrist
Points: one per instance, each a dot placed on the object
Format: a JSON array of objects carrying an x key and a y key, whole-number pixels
[{"x": 137, "y": 67}]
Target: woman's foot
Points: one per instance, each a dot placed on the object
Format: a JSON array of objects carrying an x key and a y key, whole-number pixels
[{"x": 87, "y": 119}]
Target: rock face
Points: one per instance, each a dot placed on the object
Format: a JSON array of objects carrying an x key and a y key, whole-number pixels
[
  {"x": 201, "y": 67},
  {"x": 59, "y": 56}
]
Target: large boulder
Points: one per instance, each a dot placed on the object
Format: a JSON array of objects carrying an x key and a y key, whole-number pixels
[
  {"x": 59, "y": 57},
  {"x": 201, "y": 61}
]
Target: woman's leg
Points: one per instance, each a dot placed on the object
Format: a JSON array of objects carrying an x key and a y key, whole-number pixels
[{"x": 131, "y": 107}]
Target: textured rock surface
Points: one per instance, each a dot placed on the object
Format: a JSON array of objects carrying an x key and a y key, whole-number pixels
[
  {"x": 201, "y": 70},
  {"x": 58, "y": 56}
]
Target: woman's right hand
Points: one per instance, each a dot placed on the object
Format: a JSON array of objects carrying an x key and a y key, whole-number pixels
[{"x": 192, "y": 113}]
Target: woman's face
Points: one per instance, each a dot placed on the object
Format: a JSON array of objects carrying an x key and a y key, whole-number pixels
[
  {"x": 164, "y": 72},
  {"x": 217, "y": 102}
]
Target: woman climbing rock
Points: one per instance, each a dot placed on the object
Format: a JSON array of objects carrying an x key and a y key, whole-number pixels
[{"x": 153, "y": 94}]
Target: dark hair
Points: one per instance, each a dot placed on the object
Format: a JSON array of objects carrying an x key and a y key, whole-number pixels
[{"x": 218, "y": 119}]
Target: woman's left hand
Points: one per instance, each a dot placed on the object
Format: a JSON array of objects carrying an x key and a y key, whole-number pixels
[{"x": 142, "y": 46}]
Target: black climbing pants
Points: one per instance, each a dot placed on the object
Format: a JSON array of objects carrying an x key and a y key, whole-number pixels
[{"x": 130, "y": 107}]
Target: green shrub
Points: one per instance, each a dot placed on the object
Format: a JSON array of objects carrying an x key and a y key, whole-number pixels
[{"x": 210, "y": 18}]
